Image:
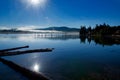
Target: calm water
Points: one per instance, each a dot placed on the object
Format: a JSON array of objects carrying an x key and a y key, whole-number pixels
[{"x": 72, "y": 59}]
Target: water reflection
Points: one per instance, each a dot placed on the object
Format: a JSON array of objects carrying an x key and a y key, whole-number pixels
[
  {"x": 109, "y": 41},
  {"x": 36, "y": 67},
  {"x": 71, "y": 59},
  {"x": 34, "y": 37},
  {"x": 83, "y": 39}
]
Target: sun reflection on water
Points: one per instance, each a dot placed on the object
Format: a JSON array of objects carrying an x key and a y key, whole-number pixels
[{"x": 36, "y": 67}]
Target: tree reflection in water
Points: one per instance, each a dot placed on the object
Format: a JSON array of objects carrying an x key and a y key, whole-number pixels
[{"x": 108, "y": 40}]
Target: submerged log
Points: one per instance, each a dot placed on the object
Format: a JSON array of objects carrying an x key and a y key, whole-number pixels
[
  {"x": 5, "y": 50},
  {"x": 25, "y": 52},
  {"x": 32, "y": 75}
]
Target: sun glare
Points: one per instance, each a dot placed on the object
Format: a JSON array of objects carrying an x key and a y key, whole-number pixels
[
  {"x": 36, "y": 3},
  {"x": 36, "y": 67}
]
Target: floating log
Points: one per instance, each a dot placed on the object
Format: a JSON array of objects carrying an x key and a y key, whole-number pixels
[
  {"x": 32, "y": 75},
  {"x": 25, "y": 52},
  {"x": 5, "y": 50}
]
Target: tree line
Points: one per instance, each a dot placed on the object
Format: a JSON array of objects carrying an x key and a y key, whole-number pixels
[{"x": 100, "y": 30}]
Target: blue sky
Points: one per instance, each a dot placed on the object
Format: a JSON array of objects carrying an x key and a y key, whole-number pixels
[{"x": 72, "y": 13}]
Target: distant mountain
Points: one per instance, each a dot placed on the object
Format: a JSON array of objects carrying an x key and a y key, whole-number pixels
[
  {"x": 63, "y": 28},
  {"x": 12, "y": 31}
]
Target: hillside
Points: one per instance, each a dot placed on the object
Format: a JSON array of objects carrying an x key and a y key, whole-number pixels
[{"x": 63, "y": 28}]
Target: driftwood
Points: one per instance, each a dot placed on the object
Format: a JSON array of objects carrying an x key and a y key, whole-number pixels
[
  {"x": 32, "y": 75},
  {"x": 5, "y": 50},
  {"x": 25, "y": 52}
]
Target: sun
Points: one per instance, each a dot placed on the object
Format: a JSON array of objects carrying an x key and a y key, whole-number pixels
[{"x": 35, "y": 3}]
